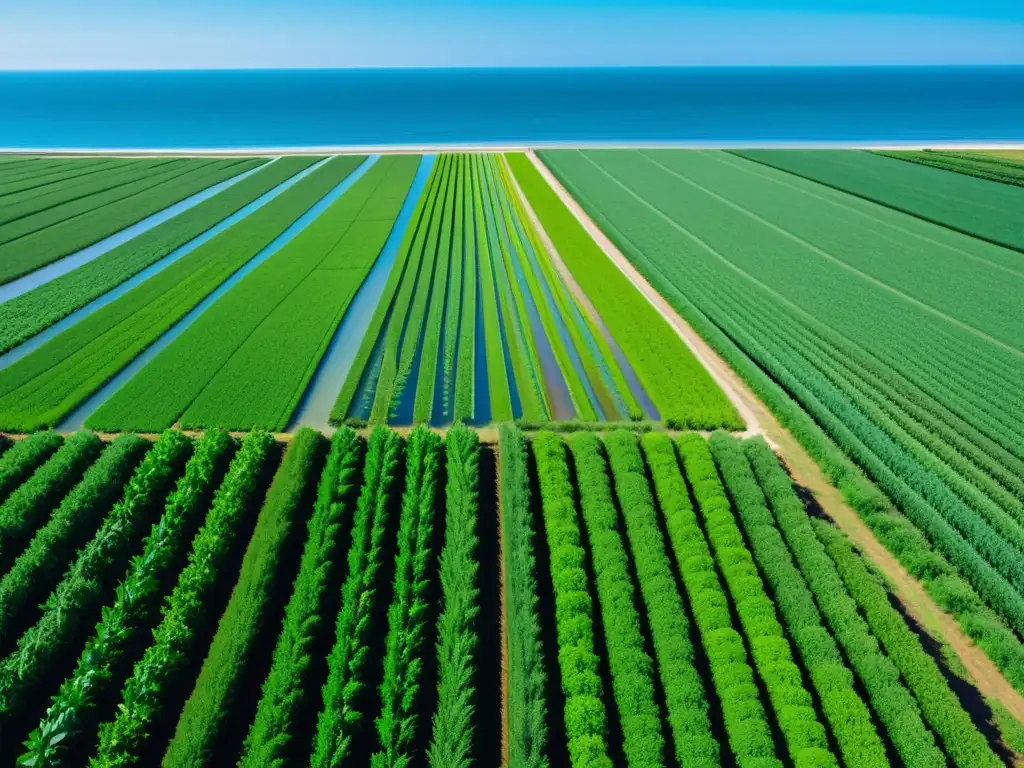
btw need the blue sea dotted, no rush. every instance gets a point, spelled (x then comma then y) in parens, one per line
(319, 108)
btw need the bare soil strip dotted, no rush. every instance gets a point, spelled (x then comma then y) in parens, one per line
(985, 676)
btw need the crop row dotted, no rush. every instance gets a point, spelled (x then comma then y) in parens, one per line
(55, 233)
(44, 386)
(17, 177)
(265, 336)
(24, 316)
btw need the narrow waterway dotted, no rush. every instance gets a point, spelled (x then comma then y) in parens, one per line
(315, 407)
(77, 418)
(30, 345)
(51, 271)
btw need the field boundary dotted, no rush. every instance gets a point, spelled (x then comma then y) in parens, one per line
(806, 473)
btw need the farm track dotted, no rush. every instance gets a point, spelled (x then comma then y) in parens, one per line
(807, 474)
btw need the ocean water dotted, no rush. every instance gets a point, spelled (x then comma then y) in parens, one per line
(317, 108)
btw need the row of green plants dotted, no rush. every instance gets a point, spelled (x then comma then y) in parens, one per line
(698, 289)
(350, 671)
(16, 177)
(235, 651)
(585, 715)
(845, 712)
(451, 744)
(1005, 170)
(44, 649)
(28, 507)
(461, 404)
(307, 285)
(455, 306)
(286, 698)
(22, 458)
(47, 384)
(53, 234)
(632, 669)
(746, 722)
(526, 718)
(74, 708)
(26, 315)
(793, 706)
(38, 569)
(686, 700)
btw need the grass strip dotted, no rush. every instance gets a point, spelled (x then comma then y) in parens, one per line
(49, 383)
(286, 698)
(24, 316)
(685, 698)
(527, 710)
(454, 310)
(586, 720)
(410, 612)
(349, 675)
(68, 611)
(73, 710)
(230, 657)
(28, 507)
(457, 637)
(39, 567)
(846, 713)
(632, 669)
(463, 403)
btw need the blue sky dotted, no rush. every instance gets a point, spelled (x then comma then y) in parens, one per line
(146, 34)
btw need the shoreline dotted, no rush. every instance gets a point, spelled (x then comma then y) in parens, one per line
(431, 148)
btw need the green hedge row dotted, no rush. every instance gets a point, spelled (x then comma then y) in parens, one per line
(135, 600)
(39, 567)
(846, 713)
(346, 689)
(586, 721)
(410, 610)
(746, 722)
(890, 700)
(794, 709)
(21, 460)
(685, 697)
(527, 712)
(285, 698)
(28, 507)
(451, 746)
(964, 743)
(74, 601)
(632, 669)
(227, 663)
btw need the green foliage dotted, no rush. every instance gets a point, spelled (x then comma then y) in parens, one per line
(746, 723)
(818, 356)
(457, 638)
(460, 313)
(74, 602)
(685, 698)
(135, 600)
(843, 708)
(892, 703)
(527, 714)
(286, 699)
(246, 361)
(19, 462)
(40, 566)
(410, 611)
(964, 743)
(48, 383)
(28, 507)
(462, 405)
(26, 315)
(683, 391)
(632, 670)
(794, 709)
(586, 721)
(347, 686)
(228, 660)
(984, 166)
(34, 241)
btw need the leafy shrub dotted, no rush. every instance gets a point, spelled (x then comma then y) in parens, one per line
(21, 460)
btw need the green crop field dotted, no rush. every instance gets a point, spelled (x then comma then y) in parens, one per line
(891, 348)
(381, 600)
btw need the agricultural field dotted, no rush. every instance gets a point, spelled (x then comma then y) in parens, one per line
(1004, 167)
(380, 599)
(890, 347)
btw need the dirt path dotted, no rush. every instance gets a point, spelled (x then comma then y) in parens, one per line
(984, 674)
